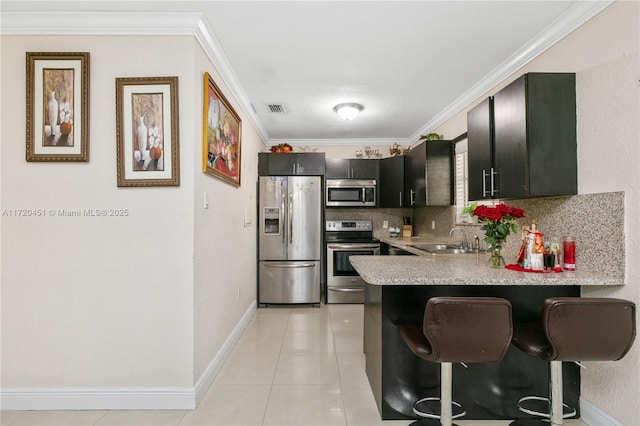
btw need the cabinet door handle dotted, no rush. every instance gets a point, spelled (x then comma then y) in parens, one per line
(484, 183)
(493, 187)
(411, 200)
(400, 198)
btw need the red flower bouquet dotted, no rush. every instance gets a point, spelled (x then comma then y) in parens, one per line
(498, 223)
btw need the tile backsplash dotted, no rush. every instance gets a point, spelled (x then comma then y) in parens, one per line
(377, 216)
(596, 221)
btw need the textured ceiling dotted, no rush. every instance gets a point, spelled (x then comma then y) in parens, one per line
(407, 62)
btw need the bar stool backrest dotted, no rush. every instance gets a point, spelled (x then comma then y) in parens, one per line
(468, 329)
(588, 329)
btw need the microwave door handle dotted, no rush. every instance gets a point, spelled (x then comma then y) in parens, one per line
(364, 195)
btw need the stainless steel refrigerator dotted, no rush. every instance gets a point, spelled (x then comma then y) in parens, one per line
(290, 239)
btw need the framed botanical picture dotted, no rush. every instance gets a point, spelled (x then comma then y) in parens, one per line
(221, 135)
(57, 106)
(147, 131)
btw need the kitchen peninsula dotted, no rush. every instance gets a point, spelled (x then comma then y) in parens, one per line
(396, 292)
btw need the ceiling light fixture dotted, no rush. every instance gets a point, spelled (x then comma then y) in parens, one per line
(348, 111)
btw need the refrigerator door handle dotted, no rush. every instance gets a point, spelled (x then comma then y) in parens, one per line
(282, 218)
(290, 265)
(290, 218)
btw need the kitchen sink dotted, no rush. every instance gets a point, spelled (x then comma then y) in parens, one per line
(442, 248)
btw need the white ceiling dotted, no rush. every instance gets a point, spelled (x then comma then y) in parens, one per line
(412, 64)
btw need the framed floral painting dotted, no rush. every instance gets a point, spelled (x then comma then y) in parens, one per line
(221, 136)
(147, 131)
(57, 106)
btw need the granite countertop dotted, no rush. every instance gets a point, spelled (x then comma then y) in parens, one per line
(458, 269)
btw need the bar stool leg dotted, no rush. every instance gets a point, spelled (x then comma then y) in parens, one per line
(555, 390)
(446, 379)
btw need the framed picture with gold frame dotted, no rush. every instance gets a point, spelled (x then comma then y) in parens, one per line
(221, 146)
(57, 102)
(147, 131)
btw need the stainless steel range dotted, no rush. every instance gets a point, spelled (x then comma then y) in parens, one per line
(346, 238)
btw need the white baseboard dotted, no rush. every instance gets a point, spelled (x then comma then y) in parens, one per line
(98, 398)
(124, 398)
(594, 416)
(216, 364)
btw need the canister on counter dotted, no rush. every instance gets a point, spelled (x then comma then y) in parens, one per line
(569, 254)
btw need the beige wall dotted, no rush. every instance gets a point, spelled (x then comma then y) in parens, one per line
(143, 302)
(95, 301)
(225, 257)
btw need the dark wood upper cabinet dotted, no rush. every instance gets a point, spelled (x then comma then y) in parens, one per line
(480, 148)
(429, 174)
(354, 168)
(289, 164)
(529, 130)
(391, 185)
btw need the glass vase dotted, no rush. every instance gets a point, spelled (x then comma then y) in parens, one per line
(495, 256)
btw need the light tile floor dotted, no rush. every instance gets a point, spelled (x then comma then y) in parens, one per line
(292, 366)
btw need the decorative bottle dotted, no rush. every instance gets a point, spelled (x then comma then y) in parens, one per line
(142, 134)
(53, 113)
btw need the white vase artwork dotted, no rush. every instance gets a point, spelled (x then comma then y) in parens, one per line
(141, 135)
(53, 113)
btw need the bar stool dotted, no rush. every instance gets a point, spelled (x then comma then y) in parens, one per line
(457, 329)
(573, 329)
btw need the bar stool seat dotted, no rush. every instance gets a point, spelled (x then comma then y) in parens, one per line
(457, 329)
(573, 329)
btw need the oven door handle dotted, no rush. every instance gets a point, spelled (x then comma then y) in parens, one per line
(347, 289)
(290, 265)
(353, 246)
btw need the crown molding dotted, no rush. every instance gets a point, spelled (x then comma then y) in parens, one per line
(579, 13)
(136, 23)
(346, 141)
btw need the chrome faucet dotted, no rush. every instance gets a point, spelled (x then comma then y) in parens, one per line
(465, 242)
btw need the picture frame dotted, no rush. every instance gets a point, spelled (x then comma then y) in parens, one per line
(147, 133)
(57, 106)
(222, 136)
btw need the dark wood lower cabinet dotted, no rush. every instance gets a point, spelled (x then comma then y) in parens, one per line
(487, 391)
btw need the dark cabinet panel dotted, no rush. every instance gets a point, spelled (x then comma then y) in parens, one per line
(337, 168)
(529, 127)
(429, 174)
(391, 185)
(510, 141)
(341, 168)
(417, 171)
(480, 140)
(285, 164)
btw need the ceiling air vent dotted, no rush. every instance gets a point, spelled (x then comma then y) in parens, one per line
(276, 109)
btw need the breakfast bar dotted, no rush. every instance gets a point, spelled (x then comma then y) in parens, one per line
(396, 292)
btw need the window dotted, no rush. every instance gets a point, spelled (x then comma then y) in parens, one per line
(461, 176)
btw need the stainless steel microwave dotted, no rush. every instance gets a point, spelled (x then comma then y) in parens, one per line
(350, 193)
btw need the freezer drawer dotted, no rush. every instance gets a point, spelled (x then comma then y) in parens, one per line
(289, 282)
